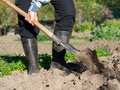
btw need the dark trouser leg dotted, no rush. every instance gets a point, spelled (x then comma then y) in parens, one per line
(31, 52)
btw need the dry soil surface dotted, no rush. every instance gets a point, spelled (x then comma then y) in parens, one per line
(56, 79)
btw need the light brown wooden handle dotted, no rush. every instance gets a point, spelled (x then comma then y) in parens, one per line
(40, 26)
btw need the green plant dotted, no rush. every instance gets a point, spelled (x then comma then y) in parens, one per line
(46, 12)
(11, 63)
(44, 60)
(7, 15)
(102, 52)
(90, 9)
(70, 56)
(84, 27)
(109, 30)
(43, 38)
(18, 63)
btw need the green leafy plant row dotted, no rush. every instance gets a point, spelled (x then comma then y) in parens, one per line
(109, 30)
(10, 63)
(84, 27)
(18, 63)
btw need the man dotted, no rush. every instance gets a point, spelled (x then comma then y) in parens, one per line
(64, 18)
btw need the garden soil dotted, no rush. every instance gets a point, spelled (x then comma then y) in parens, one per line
(56, 79)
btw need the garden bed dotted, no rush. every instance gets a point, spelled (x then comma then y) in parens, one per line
(59, 80)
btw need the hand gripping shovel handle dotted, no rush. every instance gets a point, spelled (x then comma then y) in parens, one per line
(68, 47)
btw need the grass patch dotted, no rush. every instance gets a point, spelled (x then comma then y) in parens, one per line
(43, 38)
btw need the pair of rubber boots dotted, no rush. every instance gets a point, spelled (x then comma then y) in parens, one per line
(58, 52)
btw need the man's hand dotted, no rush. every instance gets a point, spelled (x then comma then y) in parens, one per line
(31, 17)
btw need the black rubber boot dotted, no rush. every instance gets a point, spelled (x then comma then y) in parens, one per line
(58, 53)
(31, 52)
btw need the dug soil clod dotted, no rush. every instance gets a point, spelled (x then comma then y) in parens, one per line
(89, 58)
